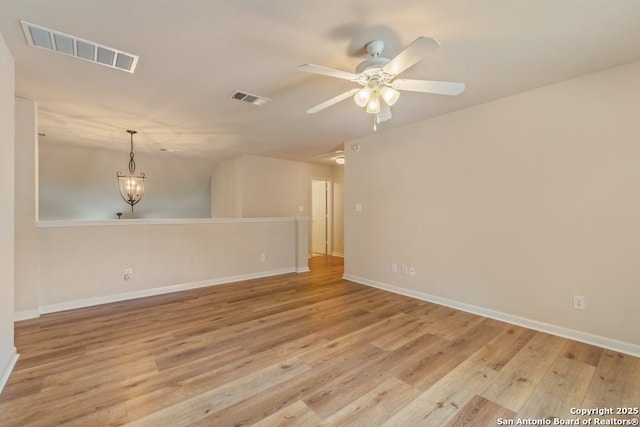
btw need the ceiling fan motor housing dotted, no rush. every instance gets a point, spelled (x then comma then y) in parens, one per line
(375, 62)
(371, 65)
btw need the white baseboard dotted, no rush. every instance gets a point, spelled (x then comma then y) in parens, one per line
(5, 375)
(302, 270)
(89, 302)
(604, 342)
(25, 314)
(338, 254)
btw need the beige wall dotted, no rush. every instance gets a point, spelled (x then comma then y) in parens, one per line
(80, 183)
(82, 264)
(7, 349)
(275, 187)
(222, 190)
(511, 207)
(254, 187)
(338, 211)
(26, 136)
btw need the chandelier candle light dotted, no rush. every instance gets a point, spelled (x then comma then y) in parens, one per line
(131, 186)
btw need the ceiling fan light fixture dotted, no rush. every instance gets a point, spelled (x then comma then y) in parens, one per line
(390, 95)
(373, 106)
(362, 97)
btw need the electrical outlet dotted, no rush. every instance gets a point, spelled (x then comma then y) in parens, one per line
(128, 272)
(394, 268)
(412, 271)
(579, 302)
(405, 270)
(263, 257)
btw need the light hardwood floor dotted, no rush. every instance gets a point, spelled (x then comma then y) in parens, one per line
(300, 349)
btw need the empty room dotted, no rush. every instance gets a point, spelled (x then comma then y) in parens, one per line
(312, 213)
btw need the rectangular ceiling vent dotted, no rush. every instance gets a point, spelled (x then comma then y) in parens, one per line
(66, 44)
(249, 98)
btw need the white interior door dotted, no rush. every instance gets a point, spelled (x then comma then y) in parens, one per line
(319, 207)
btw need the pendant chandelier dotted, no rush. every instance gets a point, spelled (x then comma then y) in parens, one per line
(131, 186)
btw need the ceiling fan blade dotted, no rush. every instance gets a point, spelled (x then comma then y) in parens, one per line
(414, 53)
(429, 86)
(330, 155)
(326, 71)
(332, 101)
(385, 112)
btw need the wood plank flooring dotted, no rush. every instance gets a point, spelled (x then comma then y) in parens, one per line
(301, 350)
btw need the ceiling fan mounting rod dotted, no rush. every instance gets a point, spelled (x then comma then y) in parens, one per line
(375, 47)
(374, 63)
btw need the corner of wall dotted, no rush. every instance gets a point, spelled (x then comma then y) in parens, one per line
(26, 206)
(4, 377)
(7, 221)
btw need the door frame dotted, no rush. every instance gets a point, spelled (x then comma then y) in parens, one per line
(329, 195)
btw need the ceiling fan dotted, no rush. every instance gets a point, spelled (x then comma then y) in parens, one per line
(377, 76)
(336, 155)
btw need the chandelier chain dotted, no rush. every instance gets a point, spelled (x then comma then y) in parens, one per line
(132, 163)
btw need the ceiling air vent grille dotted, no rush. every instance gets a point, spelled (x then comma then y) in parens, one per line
(249, 98)
(66, 44)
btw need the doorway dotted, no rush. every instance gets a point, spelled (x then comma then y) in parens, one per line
(320, 217)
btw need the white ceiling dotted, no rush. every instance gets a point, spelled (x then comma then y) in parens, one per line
(195, 53)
